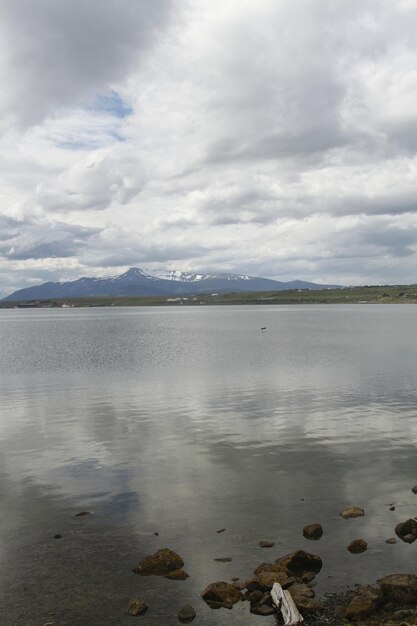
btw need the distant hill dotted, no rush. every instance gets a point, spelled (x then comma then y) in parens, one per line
(137, 282)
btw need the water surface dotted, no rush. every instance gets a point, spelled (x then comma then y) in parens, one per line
(183, 421)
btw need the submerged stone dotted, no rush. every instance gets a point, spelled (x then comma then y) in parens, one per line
(186, 614)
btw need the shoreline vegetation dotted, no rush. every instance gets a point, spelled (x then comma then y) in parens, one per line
(384, 294)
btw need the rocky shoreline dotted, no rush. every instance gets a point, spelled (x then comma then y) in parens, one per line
(391, 600)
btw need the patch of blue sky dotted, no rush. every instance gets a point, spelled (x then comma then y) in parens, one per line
(112, 104)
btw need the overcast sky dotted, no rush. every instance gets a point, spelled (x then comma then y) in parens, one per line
(273, 137)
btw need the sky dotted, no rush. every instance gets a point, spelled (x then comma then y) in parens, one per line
(276, 138)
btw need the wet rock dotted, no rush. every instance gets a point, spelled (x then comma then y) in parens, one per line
(352, 511)
(160, 563)
(223, 559)
(409, 527)
(137, 606)
(265, 580)
(255, 596)
(266, 599)
(308, 577)
(82, 514)
(221, 530)
(409, 538)
(365, 601)
(266, 544)
(186, 614)
(414, 489)
(400, 588)
(357, 546)
(235, 578)
(221, 594)
(301, 562)
(392, 508)
(391, 540)
(301, 589)
(177, 574)
(58, 536)
(313, 531)
(271, 567)
(263, 609)
(304, 599)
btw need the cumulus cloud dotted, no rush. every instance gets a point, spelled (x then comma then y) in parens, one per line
(273, 138)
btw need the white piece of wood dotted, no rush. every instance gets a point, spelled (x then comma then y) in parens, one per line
(284, 602)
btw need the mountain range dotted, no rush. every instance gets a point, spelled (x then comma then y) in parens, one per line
(138, 282)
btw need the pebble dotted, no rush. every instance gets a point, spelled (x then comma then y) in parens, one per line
(58, 536)
(223, 559)
(266, 544)
(82, 514)
(221, 530)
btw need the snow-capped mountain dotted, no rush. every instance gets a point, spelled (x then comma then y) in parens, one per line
(189, 277)
(137, 282)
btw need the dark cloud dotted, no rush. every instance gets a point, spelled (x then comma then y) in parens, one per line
(61, 52)
(45, 241)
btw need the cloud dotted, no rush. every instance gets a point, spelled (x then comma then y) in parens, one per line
(273, 138)
(57, 53)
(43, 240)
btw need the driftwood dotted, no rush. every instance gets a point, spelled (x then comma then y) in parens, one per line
(284, 602)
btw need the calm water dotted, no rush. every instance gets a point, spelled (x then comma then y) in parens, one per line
(185, 421)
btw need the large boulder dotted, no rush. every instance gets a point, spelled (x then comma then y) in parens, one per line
(407, 531)
(301, 562)
(160, 563)
(221, 594)
(364, 602)
(400, 588)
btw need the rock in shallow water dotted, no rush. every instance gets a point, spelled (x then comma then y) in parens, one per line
(161, 563)
(352, 511)
(301, 562)
(177, 574)
(221, 594)
(137, 606)
(407, 531)
(263, 609)
(313, 531)
(186, 614)
(357, 546)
